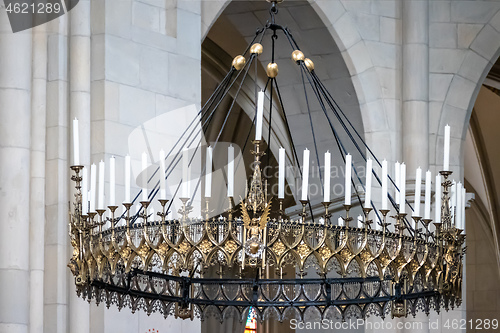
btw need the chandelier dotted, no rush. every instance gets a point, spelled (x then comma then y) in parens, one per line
(383, 263)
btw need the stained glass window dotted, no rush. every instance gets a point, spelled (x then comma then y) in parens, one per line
(251, 325)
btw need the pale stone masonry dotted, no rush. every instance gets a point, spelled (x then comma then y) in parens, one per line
(15, 148)
(79, 107)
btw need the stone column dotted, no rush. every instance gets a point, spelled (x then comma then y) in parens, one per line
(415, 100)
(37, 185)
(79, 105)
(57, 179)
(415, 85)
(15, 122)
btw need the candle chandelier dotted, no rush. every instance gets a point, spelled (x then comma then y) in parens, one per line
(384, 263)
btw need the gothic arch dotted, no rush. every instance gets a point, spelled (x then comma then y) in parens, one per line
(356, 55)
(484, 50)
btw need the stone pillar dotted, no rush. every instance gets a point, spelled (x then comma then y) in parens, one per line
(57, 179)
(79, 71)
(15, 122)
(415, 100)
(37, 185)
(79, 105)
(415, 85)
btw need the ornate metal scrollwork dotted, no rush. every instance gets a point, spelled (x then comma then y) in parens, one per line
(160, 264)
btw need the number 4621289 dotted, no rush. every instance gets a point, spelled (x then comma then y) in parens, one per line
(476, 324)
(33, 8)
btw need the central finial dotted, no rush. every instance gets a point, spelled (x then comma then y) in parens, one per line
(255, 197)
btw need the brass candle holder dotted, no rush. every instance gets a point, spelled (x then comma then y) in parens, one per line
(206, 211)
(347, 219)
(78, 195)
(385, 224)
(163, 214)
(446, 218)
(304, 212)
(113, 220)
(185, 209)
(256, 152)
(144, 214)
(416, 219)
(101, 222)
(231, 208)
(76, 177)
(327, 214)
(92, 223)
(281, 212)
(127, 217)
(439, 227)
(367, 222)
(400, 226)
(425, 223)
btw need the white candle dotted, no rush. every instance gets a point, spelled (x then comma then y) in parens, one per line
(100, 203)
(458, 219)
(208, 172)
(453, 200)
(112, 181)
(326, 194)
(418, 192)
(360, 221)
(446, 157)
(85, 200)
(185, 173)
(402, 189)
(464, 193)
(437, 208)
(76, 143)
(151, 214)
(384, 184)
(93, 186)
(348, 166)
(397, 180)
(144, 176)
(281, 174)
(163, 185)
(340, 222)
(368, 176)
(427, 205)
(453, 193)
(230, 171)
(260, 115)
(127, 179)
(305, 174)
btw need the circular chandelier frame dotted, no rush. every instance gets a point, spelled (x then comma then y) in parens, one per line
(162, 265)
